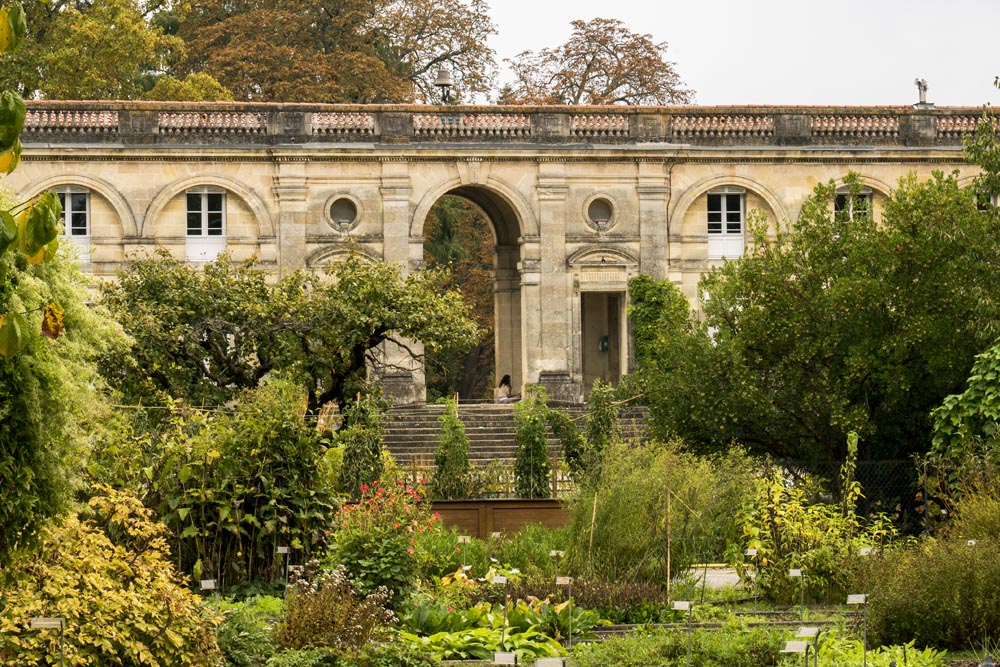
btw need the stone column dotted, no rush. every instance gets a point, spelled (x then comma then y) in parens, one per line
(290, 192)
(403, 380)
(654, 231)
(548, 306)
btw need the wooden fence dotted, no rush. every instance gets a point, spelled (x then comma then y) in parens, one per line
(482, 518)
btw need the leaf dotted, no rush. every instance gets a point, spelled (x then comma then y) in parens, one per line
(12, 112)
(52, 321)
(12, 333)
(40, 226)
(12, 28)
(8, 231)
(190, 531)
(10, 159)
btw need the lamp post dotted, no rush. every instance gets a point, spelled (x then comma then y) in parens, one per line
(444, 84)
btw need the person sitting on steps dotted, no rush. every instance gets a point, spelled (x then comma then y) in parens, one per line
(504, 389)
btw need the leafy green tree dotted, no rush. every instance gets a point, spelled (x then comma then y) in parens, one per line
(361, 438)
(48, 403)
(603, 427)
(836, 325)
(195, 87)
(204, 335)
(77, 49)
(451, 461)
(532, 466)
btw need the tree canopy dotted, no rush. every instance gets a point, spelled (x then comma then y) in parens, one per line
(837, 325)
(603, 62)
(48, 342)
(360, 51)
(77, 49)
(202, 335)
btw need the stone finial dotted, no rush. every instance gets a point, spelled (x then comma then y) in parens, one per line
(922, 88)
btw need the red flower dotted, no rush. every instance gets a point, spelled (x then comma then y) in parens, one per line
(364, 488)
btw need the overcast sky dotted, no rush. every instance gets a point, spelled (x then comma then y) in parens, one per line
(844, 52)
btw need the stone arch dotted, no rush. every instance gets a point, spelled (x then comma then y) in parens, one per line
(498, 200)
(876, 184)
(699, 188)
(511, 219)
(334, 254)
(126, 216)
(265, 224)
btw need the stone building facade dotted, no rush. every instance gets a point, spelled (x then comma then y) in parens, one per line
(580, 198)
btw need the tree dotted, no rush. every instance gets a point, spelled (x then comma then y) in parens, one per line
(202, 335)
(48, 403)
(425, 35)
(838, 325)
(195, 87)
(87, 50)
(603, 62)
(532, 466)
(451, 461)
(361, 438)
(359, 51)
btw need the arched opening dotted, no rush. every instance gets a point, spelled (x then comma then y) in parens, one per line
(475, 232)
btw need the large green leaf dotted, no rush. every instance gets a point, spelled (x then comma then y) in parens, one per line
(8, 231)
(12, 28)
(12, 112)
(13, 333)
(41, 226)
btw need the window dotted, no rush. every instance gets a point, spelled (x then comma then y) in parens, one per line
(206, 224)
(725, 222)
(75, 203)
(852, 205)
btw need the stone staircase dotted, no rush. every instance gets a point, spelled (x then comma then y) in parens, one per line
(412, 432)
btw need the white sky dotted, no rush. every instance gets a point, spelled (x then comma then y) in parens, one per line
(792, 52)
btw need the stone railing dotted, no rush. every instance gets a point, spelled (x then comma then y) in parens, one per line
(336, 123)
(460, 125)
(854, 126)
(75, 121)
(600, 125)
(274, 124)
(203, 122)
(728, 126)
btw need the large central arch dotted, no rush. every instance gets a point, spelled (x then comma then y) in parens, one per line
(507, 224)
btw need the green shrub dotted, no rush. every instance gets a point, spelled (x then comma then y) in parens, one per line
(245, 633)
(528, 550)
(942, 593)
(451, 461)
(619, 529)
(736, 647)
(324, 610)
(109, 574)
(977, 513)
(374, 538)
(481, 643)
(837, 651)
(361, 439)
(603, 427)
(233, 486)
(789, 529)
(395, 654)
(532, 466)
(305, 657)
